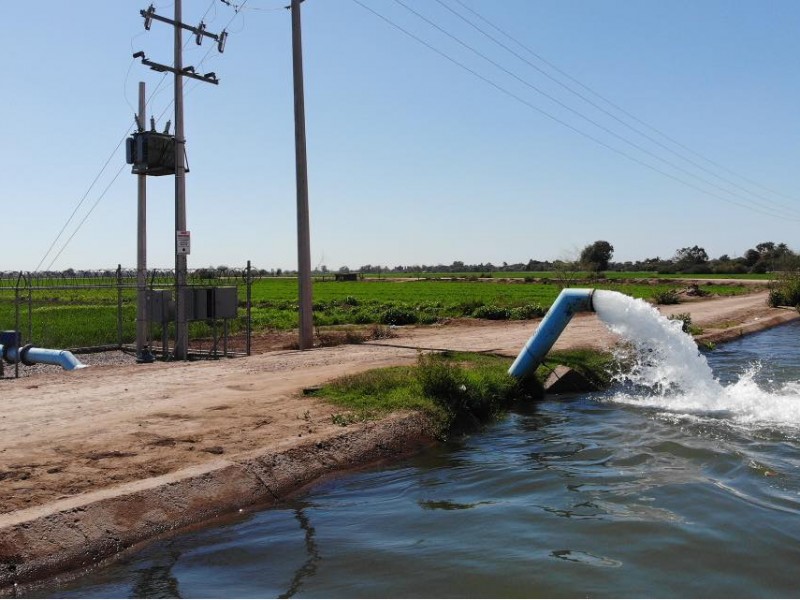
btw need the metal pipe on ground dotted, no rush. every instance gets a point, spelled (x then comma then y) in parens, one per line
(29, 355)
(569, 302)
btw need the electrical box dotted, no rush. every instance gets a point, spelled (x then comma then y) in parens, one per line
(203, 303)
(160, 306)
(226, 302)
(151, 153)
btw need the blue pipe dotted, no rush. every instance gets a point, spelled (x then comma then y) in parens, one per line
(28, 355)
(569, 302)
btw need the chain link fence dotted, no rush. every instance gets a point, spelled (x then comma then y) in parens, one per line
(89, 311)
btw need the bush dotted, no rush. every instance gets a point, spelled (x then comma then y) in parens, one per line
(785, 291)
(399, 315)
(666, 297)
(494, 313)
(467, 307)
(351, 301)
(529, 311)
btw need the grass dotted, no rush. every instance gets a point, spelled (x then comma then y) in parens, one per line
(68, 318)
(456, 390)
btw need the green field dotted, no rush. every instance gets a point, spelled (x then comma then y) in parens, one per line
(70, 318)
(429, 300)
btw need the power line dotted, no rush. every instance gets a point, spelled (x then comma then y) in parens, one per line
(82, 200)
(792, 213)
(88, 191)
(99, 198)
(561, 121)
(615, 106)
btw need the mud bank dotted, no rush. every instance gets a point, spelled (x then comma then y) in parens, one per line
(79, 532)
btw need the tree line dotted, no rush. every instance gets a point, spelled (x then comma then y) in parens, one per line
(596, 257)
(766, 257)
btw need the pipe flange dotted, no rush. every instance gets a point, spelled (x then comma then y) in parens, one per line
(23, 355)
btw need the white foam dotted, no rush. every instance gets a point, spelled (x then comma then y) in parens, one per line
(668, 372)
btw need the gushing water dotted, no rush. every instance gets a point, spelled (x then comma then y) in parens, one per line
(668, 372)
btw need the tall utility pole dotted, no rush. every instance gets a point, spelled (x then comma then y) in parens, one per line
(181, 266)
(181, 233)
(303, 236)
(143, 354)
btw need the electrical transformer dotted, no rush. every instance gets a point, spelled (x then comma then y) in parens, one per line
(151, 153)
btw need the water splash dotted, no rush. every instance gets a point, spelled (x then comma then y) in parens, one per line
(668, 372)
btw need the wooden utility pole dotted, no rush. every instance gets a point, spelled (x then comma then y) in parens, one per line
(303, 236)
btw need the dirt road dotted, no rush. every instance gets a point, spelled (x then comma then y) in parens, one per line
(68, 440)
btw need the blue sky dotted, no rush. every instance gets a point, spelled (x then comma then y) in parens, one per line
(412, 158)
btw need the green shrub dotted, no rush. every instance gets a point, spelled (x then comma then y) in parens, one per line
(351, 301)
(528, 311)
(467, 307)
(399, 315)
(785, 291)
(495, 313)
(666, 297)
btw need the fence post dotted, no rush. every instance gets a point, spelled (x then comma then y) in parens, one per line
(16, 321)
(249, 324)
(29, 281)
(119, 306)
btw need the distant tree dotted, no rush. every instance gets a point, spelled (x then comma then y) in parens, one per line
(751, 257)
(457, 266)
(766, 248)
(596, 256)
(769, 256)
(689, 257)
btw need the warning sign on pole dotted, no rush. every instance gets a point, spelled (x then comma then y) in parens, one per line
(184, 245)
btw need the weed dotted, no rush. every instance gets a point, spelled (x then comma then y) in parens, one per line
(345, 419)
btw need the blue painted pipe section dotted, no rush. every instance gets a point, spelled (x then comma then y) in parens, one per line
(569, 302)
(29, 355)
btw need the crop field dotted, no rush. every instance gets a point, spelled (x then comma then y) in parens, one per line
(64, 317)
(401, 302)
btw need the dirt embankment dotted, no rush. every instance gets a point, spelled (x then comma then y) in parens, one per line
(92, 461)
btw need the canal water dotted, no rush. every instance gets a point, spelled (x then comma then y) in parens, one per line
(681, 481)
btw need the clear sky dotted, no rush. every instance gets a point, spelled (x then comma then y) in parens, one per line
(413, 157)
